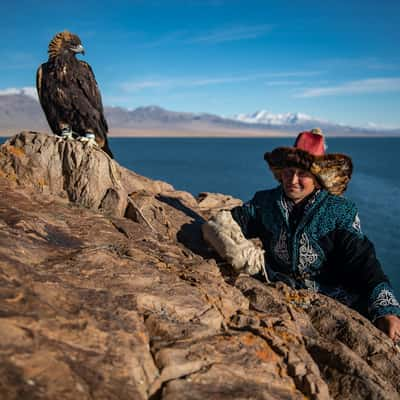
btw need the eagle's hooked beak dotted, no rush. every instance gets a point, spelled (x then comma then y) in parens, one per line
(78, 49)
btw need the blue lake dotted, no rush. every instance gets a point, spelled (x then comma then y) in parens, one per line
(237, 167)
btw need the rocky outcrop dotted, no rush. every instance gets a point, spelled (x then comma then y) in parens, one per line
(77, 171)
(108, 292)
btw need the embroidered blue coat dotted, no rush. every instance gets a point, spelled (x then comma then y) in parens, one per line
(325, 250)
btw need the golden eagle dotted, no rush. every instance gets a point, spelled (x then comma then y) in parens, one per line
(69, 94)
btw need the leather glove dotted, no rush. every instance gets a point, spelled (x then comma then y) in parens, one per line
(223, 233)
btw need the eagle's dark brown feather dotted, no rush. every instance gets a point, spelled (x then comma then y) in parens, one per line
(68, 91)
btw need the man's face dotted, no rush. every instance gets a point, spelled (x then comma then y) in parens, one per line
(297, 183)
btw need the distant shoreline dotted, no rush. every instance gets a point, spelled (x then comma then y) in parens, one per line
(232, 133)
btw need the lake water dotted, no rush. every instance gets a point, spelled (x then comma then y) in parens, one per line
(237, 167)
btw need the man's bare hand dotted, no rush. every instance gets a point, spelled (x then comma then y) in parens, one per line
(390, 324)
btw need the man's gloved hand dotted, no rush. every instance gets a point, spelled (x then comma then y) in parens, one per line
(224, 234)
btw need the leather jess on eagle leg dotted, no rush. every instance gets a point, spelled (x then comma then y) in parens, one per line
(224, 234)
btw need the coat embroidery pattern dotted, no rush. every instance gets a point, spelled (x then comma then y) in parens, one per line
(281, 249)
(385, 298)
(286, 207)
(307, 255)
(357, 223)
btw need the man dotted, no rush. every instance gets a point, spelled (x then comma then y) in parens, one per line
(311, 235)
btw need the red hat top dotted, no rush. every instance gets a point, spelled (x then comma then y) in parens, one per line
(312, 142)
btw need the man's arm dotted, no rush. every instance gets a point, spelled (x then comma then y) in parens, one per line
(362, 270)
(246, 217)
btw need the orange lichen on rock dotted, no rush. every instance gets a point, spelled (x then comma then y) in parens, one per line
(41, 183)
(299, 299)
(249, 339)
(10, 177)
(266, 354)
(262, 350)
(17, 151)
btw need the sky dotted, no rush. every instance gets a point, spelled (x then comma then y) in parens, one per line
(334, 60)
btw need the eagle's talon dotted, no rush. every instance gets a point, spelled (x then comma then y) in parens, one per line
(66, 133)
(89, 138)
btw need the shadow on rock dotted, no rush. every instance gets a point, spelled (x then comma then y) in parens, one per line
(190, 233)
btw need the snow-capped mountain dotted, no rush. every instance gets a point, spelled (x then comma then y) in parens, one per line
(295, 122)
(268, 118)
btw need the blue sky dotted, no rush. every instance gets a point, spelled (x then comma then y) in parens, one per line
(334, 60)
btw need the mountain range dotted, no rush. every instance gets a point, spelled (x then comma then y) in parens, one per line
(23, 112)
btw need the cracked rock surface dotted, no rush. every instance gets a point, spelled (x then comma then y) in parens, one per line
(108, 292)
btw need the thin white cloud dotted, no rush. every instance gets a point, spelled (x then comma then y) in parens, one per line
(376, 85)
(284, 83)
(134, 86)
(366, 63)
(18, 61)
(27, 90)
(147, 84)
(231, 34)
(217, 81)
(176, 83)
(177, 36)
(292, 74)
(213, 36)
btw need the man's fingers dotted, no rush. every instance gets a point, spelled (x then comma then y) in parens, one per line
(393, 333)
(390, 324)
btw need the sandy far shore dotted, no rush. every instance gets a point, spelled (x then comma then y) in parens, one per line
(159, 133)
(231, 133)
(221, 133)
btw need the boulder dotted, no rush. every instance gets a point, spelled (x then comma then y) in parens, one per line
(77, 171)
(211, 203)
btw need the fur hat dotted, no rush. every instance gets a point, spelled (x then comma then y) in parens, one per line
(332, 171)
